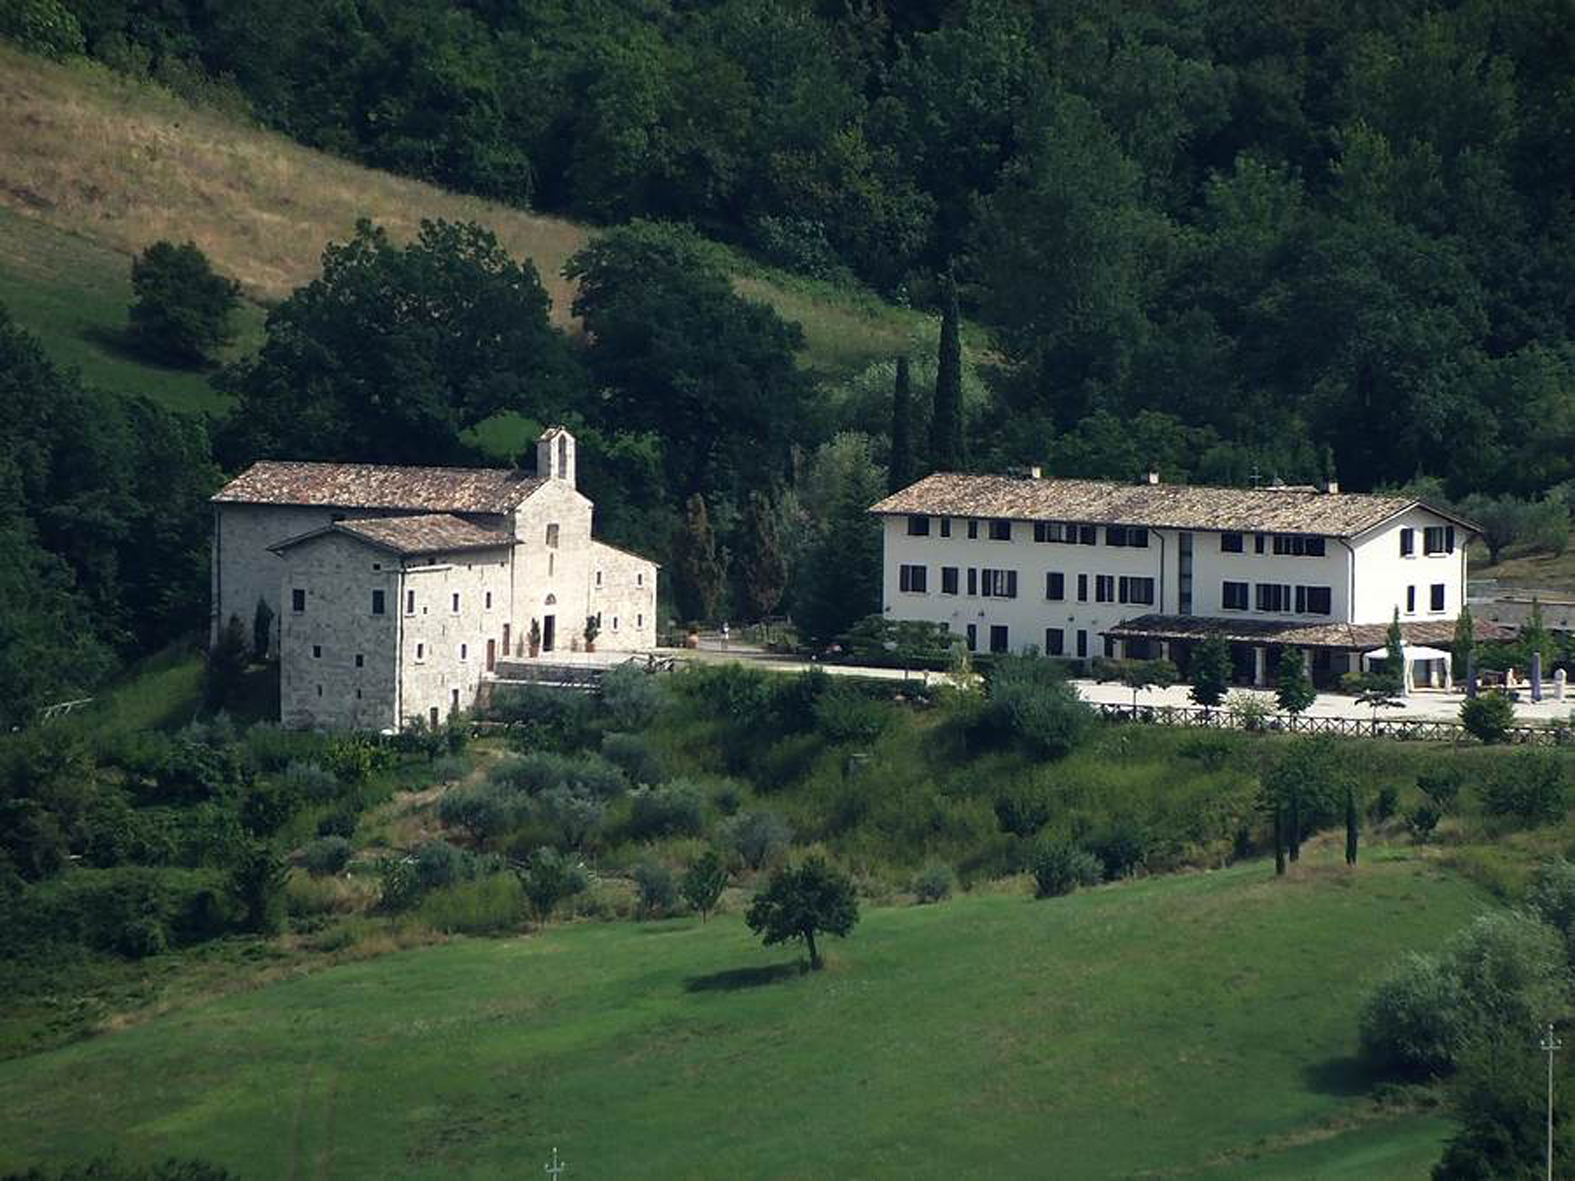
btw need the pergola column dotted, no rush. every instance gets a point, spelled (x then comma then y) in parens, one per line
(1260, 665)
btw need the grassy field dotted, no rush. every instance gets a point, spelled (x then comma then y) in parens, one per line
(1536, 571)
(94, 167)
(1187, 1025)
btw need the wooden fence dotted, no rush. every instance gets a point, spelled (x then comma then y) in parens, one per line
(1401, 729)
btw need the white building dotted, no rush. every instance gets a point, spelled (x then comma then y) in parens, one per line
(396, 591)
(1083, 568)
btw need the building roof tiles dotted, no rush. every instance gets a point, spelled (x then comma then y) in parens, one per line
(1362, 637)
(378, 486)
(1299, 509)
(427, 533)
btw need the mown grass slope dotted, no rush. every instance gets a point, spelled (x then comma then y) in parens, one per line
(1181, 1025)
(94, 167)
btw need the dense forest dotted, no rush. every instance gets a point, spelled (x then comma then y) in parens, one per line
(1230, 240)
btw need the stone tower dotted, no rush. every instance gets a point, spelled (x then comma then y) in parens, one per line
(555, 455)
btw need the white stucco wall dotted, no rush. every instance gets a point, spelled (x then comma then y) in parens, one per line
(1382, 575)
(1212, 568)
(327, 689)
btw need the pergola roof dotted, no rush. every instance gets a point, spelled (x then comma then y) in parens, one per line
(1354, 637)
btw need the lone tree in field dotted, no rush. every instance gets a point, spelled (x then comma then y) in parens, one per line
(1210, 670)
(698, 570)
(550, 878)
(1295, 690)
(901, 465)
(183, 307)
(800, 903)
(704, 882)
(946, 426)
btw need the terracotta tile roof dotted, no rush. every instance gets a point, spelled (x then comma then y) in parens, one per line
(366, 485)
(1364, 637)
(1298, 509)
(428, 533)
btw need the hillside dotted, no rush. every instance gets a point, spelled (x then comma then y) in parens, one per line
(1190, 1024)
(96, 166)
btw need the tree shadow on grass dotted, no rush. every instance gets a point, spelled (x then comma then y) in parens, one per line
(1345, 1077)
(118, 343)
(736, 978)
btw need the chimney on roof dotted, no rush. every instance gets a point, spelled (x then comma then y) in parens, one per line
(1036, 472)
(1153, 475)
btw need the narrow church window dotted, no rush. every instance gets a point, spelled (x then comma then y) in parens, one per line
(317, 651)
(360, 660)
(410, 602)
(639, 579)
(421, 651)
(598, 578)
(552, 537)
(456, 603)
(487, 601)
(464, 652)
(298, 600)
(551, 558)
(378, 602)
(319, 690)
(639, 621)
(615, 623)
(358, 695)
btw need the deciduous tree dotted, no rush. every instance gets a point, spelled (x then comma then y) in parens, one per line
(1210, 670)
(802, 903)
(1295, 691)
(183, 309)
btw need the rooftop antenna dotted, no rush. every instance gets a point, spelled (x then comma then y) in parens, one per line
(1255, 476)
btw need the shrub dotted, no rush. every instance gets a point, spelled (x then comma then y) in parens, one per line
(489, 903)
(1422, 820)
(633, 755)
(353, 758)
(843, 714)
(398, 886)
(438, 864)
(933, 884)
(541, 771)
(572, 817)
(1060, 867)
(631, 697)
(257, 884)
(1022, 812)
(327, 855)
(674, 810)
(113, 1169)
(1441, 785)
(310, 782)
(46, 27)
(1031, 703)
(449, 769)
(1121, 846)
(1386, 803)
(484, 810)
(657, 886)
(1488, 716)
(1410, 1022)
(729, 798)
(1248, 710)
(1551, 897)
(550, 878)
(704, 882)
(1527, 787)
(183, 307)
(268, 806)
(758, 838)
(545, 718)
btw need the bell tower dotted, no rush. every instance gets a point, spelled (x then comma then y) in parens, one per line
(555, 455)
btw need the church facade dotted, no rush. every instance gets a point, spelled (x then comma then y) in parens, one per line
(395, 591)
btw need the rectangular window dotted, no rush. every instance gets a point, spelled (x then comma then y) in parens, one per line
(1233, 596)
(410, 602)
(317, 651)
(1407, 542)
(1082, 643)
(973, 580)
(360, 660)
(639, 579)
(918, 526)
(1230, 543)
(421, 651)
(973, 528)
(1410, 600)
(998, 584)
(379, 603)
(1298, 545)
(1115, 535)
(948, 580)
(946, 526)
(552, 537)
(1320, 600)
(1082, 588)
(973, 637)
(1055, 585)
(298, 600)
(486, 601)
(1104, 588)
(598, 578)
(1435, 598)
(1000, 530)
(454, 606)
(1257, 542)
(464, 651)
(1436, 539)
(1088, 534)
(1136, 590)
(639, 619)
(998, 637)
(1273, 597)
(913, 579)
(1127, 535)
(1055, 641)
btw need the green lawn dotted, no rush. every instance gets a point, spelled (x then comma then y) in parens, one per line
(1193, 1024)
(73, 294)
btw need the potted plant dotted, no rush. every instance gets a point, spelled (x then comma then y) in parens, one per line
(534, 638)
(593, 629)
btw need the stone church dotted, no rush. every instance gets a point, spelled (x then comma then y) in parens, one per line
(395, 591)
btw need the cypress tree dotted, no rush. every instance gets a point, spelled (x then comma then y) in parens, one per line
(1350, 825)
(698, 584)
(1534, 637)
(946, 426)
(1295, 690)
(1465, 643)
(902, 466)
(762, 568)
(1395, 659)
